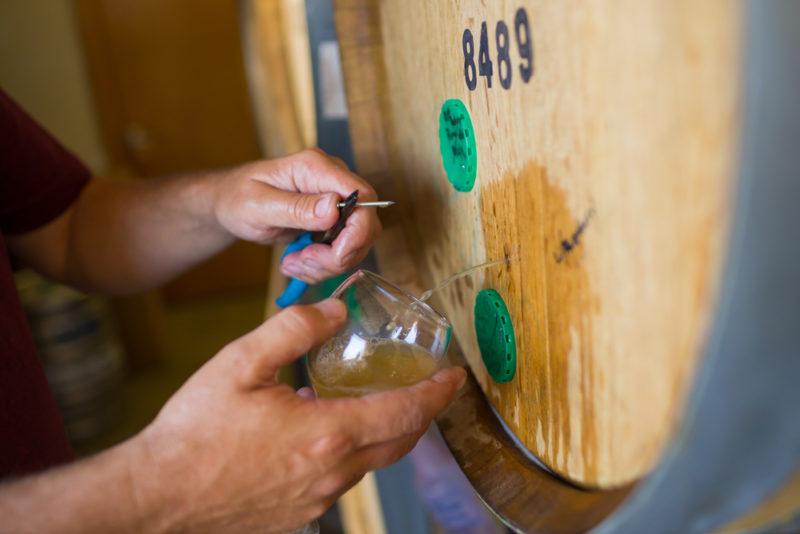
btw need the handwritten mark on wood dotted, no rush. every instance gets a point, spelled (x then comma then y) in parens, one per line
(568, 245)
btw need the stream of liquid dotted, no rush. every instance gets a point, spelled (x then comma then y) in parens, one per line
(449, 280)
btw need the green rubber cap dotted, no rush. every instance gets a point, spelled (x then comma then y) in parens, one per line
(457, 145)
(495, 333)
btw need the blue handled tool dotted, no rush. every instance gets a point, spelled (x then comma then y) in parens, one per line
(295, 289)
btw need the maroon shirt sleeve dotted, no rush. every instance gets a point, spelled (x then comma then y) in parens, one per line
(39, 178)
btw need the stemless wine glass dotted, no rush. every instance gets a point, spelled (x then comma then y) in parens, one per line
(391, 339)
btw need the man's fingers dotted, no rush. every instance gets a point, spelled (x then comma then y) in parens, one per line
(303, 195)
(284, 337)
(339, 162)
(318, 262)
(314, 171)
(389, 415)
(337, 484)
(374, 457)
(307, 264)
(303, 211)
(306, 393)
(362, 229)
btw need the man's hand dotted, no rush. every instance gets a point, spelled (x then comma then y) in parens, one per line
(269, 201)
(234, 451)
(123, 237)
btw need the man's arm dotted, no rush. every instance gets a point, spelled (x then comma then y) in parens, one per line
(93, 495)
(232, 451)
(123, 237)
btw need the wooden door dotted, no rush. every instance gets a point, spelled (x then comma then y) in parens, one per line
(169, 83)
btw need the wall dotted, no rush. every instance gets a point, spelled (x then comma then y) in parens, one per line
(43, 68)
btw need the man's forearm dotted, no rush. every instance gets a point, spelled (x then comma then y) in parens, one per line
(93, 495)
(122, 237)
(126, 237)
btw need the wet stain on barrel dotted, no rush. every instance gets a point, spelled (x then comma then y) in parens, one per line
(551, 304)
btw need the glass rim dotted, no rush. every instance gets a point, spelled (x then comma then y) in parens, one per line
(364, 272)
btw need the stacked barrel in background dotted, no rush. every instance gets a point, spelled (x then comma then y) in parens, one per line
(80, 353)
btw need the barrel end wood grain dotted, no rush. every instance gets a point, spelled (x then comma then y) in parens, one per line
(603, 178)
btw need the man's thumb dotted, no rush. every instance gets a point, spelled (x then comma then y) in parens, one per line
(288, 209)
(285, 337)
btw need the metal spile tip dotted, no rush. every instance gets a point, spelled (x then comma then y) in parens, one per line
(375, 204)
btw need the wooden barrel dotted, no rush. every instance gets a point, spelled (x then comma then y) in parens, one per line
(80, 353)
(594, 149)
(278, 68)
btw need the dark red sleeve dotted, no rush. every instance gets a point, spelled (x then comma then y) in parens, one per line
(39, 178)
